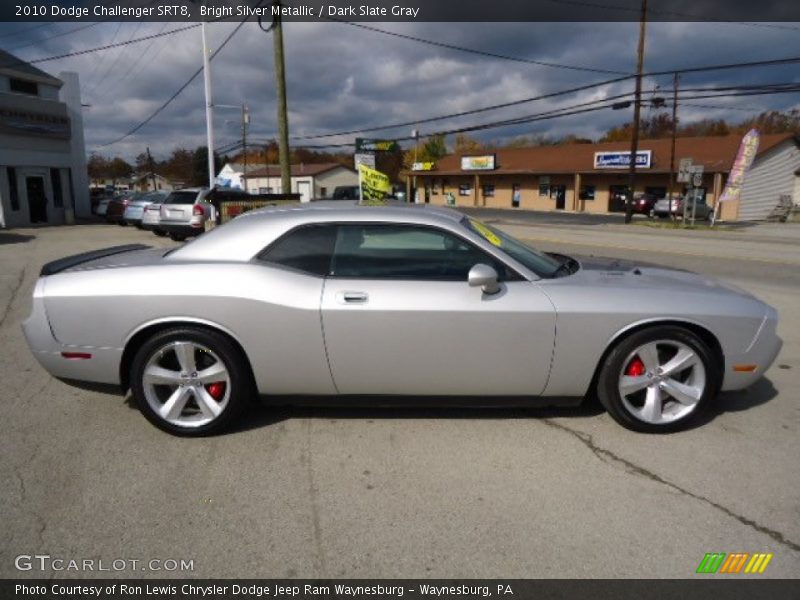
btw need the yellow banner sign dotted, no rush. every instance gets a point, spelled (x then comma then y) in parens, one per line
(374, 184)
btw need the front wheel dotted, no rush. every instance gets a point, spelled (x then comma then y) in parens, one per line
(190, 381)
(658, 379)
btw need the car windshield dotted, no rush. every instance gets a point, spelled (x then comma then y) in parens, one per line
(538, 262)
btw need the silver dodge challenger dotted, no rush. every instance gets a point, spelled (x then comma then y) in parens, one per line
(388, 304)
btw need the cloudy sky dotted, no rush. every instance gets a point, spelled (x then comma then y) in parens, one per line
(343, 77)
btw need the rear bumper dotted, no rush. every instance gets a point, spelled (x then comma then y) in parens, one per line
(182, 228)
(102, 367)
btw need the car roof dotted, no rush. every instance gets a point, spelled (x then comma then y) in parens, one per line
(246, 235)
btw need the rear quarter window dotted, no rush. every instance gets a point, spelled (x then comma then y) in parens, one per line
(308, 249)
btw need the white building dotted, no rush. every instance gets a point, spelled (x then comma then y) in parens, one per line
(773, 178)
(146, 182)
(43, 177)
(231, 174)
(310, 181)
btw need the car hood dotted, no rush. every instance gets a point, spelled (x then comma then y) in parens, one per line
(642, 274)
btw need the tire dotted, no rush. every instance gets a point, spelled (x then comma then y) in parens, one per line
(159, 233)
(177, 237)
(690, 370)
(202, 404)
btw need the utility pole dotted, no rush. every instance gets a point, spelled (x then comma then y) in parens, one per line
(245, 123)
(637, 101)
(209, 109)
(675, 80)
(280, 86)
(152, 170)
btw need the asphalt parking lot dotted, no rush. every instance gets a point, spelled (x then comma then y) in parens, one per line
(301, 492)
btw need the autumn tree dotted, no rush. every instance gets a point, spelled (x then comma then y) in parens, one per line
(432, 150)
(467, 145)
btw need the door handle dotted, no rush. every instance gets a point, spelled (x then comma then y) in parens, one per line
(353, 297)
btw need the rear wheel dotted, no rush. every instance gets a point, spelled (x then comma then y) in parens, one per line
(190, 381)
(658, 379)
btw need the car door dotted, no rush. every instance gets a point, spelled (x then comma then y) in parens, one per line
(399, 317)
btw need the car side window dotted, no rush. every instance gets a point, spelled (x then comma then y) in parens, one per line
(307, 249)
(389, 251)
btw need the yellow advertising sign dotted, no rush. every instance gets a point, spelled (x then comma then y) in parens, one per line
(374, 184)
(486, 232)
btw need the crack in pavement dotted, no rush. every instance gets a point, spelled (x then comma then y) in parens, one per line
(25, 502)
(314, 492)
(607, 455)
(13, 297)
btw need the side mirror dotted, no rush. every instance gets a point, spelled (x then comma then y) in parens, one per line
(485, 277)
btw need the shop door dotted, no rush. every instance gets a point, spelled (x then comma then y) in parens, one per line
(560, 194)
(37, 199)
(304, 189)
(617, 197)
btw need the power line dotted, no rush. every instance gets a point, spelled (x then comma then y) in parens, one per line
(113, 64)
(17, 32)
(466, 112)
(772, 62)
(477, 52)
(132, 71)
(673, 13)
(178, 91)
(563, 112)
(99, 48)
(57, 35)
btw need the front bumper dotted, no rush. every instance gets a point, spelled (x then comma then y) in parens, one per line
(762, 352)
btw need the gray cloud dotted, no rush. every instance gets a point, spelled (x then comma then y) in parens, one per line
(342, 77)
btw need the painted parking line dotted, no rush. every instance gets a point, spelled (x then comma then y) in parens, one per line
(661, 250)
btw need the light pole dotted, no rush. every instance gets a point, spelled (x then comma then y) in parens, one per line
(209, 109)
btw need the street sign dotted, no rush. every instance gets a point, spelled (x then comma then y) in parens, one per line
(684, 167)
(697, 179)
(370, 145)
(364, 158)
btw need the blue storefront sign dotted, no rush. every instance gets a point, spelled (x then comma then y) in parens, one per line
(622, 159)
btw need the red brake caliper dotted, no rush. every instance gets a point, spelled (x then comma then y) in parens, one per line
(216, 390)
(635, 368)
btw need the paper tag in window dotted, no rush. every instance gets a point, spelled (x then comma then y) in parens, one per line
(487, 233)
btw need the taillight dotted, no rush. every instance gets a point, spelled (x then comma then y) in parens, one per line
(198, 211)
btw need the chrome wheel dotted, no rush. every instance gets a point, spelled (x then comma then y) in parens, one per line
(662, 381)
(186, 384)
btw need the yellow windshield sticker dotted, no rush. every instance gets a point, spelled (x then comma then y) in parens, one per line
(487, 233)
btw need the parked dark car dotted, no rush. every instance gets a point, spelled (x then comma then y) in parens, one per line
(115, 213)
(643, 204)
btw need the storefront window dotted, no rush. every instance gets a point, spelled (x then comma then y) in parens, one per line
(488, 190)
(58, 194)
(12, 188)
(464, 189)
(516, 192)
(587, 192)
(435, 187)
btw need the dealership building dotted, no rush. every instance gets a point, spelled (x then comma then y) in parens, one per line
(594, 178)
(43, 177)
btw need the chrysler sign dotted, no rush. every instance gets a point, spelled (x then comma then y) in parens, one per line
(622, 159)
